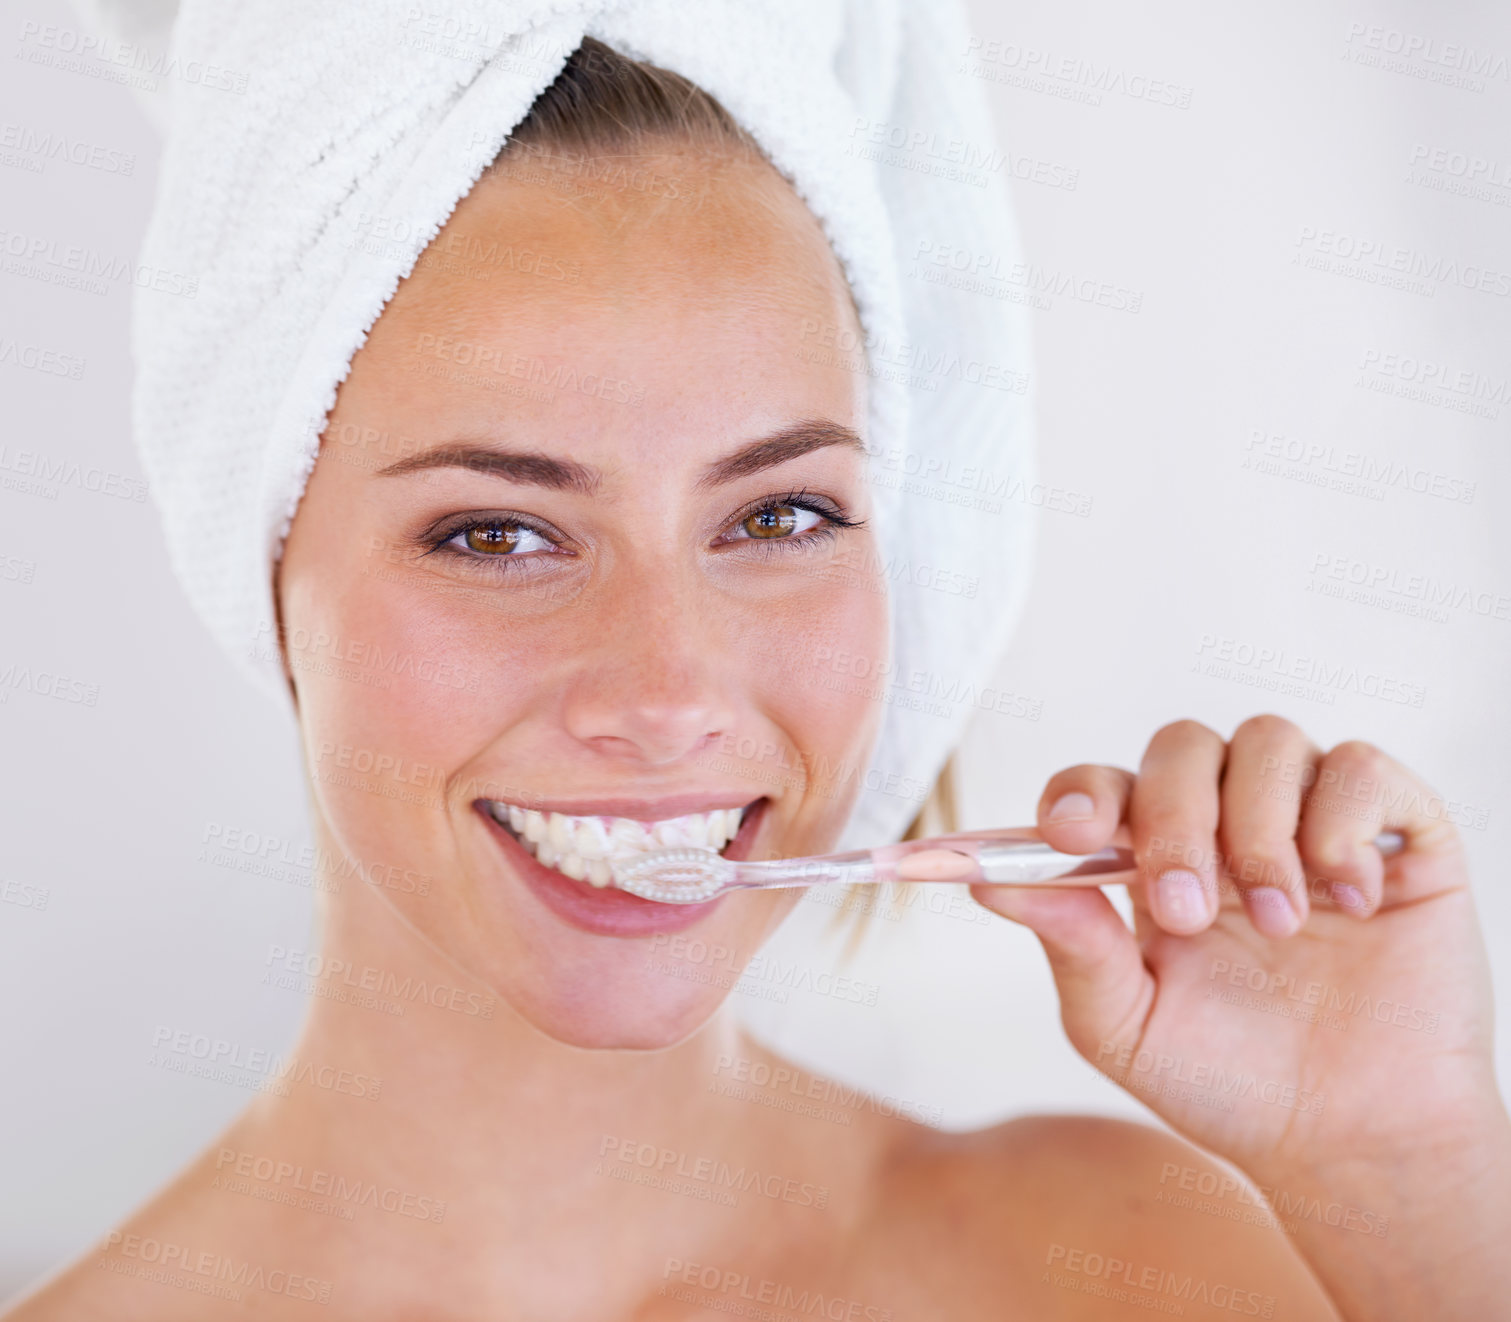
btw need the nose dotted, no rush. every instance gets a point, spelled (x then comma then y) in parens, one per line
(654, 683)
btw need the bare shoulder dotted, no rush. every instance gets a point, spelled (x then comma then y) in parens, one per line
(183, 1255)
(97, 1284)
(136, 1273)
(1087, 1216)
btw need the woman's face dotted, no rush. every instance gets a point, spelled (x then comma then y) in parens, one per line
(576, 542)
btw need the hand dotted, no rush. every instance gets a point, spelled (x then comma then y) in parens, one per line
(1287, 998)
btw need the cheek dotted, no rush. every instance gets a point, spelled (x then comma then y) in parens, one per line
(822, 671)
(391, 690)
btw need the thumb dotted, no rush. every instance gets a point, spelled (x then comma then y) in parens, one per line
(1105, 991)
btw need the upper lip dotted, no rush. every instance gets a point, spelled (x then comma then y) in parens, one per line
(638, 809)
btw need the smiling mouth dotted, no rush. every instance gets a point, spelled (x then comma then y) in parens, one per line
(585, 848)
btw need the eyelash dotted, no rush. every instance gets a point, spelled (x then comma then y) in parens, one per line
(834, 520)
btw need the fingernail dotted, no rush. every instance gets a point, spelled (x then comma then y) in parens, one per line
(1270, 911)
(1178, 898)
(1350, 897)
(1074, 807)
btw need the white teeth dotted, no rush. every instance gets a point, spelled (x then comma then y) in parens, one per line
(589, 838)
(627, 836)
(673, 835)
(584, 847)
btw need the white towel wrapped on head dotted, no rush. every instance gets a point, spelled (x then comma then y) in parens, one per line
(393, 108)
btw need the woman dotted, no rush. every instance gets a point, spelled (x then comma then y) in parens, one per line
(598, 599)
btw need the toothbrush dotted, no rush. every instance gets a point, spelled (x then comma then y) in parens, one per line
(1010, 856)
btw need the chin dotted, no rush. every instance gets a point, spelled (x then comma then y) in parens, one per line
(635, 1013)
(595, 967)
(641, 993)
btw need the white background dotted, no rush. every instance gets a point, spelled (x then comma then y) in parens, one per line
(1200, 210)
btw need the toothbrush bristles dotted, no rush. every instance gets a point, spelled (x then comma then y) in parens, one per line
(672, 876)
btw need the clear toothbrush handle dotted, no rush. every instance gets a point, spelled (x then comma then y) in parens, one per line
(1012, 856)
(1029, 863)
(1006, 856)
(1023, 864)
(1015, 856)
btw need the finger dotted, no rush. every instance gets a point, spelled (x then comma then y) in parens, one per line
(1360, 791)
(1260, 811)
(1173, 814)
(1105, 990)
(1082, 806)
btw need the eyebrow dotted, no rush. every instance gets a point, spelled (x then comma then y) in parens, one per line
(531, 468)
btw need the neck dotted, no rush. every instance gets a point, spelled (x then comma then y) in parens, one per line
(546, 1156)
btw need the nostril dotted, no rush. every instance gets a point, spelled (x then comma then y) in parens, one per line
(653, 741)
(656, 718)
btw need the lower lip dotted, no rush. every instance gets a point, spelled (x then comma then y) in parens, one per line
(609, 911)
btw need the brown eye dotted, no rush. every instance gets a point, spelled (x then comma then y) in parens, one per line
(773, 521)
(493, 538)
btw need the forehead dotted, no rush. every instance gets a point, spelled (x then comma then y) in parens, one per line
(614, 298)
